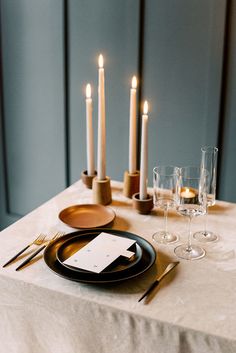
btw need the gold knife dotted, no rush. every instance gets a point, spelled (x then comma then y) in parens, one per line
(169, 268)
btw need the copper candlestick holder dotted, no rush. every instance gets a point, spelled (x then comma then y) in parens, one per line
(131, 183)
(143, 206)
(102, 191)
(88, 179)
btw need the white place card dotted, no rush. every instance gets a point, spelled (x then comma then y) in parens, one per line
(100, 252)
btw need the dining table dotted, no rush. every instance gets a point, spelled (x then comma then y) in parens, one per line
(193, 310)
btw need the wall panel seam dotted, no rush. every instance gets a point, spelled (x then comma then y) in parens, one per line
(223, 92)
(140, 72)
(66, 90)
(3, 130)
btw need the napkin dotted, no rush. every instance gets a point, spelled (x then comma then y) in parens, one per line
(101, 252)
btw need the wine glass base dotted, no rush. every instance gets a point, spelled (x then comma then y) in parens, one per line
(205, 236)
(163, 237)
(194, 253)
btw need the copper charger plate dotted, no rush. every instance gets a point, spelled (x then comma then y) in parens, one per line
(87, 216)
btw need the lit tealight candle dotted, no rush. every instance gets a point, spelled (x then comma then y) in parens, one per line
(144, 154)
(132, 128)
(187, 193)
(89, 131)
(101, 164)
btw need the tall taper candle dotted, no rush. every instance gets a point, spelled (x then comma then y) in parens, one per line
(89, 131)
(132, 128)
(144, 154)
(101, 167)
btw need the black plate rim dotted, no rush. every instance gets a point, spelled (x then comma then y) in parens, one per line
(63, 271)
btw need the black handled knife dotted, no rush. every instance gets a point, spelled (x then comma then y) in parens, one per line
(169, 268)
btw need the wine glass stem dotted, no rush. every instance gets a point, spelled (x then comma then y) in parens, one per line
(189, 246)
(166, 220)
(205, 223)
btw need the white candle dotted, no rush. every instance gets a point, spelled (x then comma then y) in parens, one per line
(144, 154)
(101, 167)
(89, 131)
(132, 128)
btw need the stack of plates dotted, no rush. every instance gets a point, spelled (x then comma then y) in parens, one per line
(122, 269)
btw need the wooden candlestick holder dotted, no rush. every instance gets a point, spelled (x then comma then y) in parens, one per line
(143, 206)
(102, 191)
(88, 179)
(131, 184)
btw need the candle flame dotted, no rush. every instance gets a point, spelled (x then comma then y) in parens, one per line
(88, 91)
(145, 108)
(100, 61)
(134, 82)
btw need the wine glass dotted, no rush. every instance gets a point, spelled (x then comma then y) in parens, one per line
(165, 182)
(191, 202)
(209, 163)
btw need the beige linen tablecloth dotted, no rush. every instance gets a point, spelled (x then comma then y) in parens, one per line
(193, 310)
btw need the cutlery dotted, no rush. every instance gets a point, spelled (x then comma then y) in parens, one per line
(170, 267)
(38, 241)
(49, 241)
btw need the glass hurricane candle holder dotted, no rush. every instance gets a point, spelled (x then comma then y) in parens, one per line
(191, 202)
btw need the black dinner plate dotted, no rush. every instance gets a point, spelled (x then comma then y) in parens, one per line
(147, 259)
(74, 244)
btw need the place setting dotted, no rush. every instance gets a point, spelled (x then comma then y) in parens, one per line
(100, 256)
(97, 254)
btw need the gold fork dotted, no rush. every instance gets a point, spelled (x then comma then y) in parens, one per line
(49, 241)
(38, 241)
